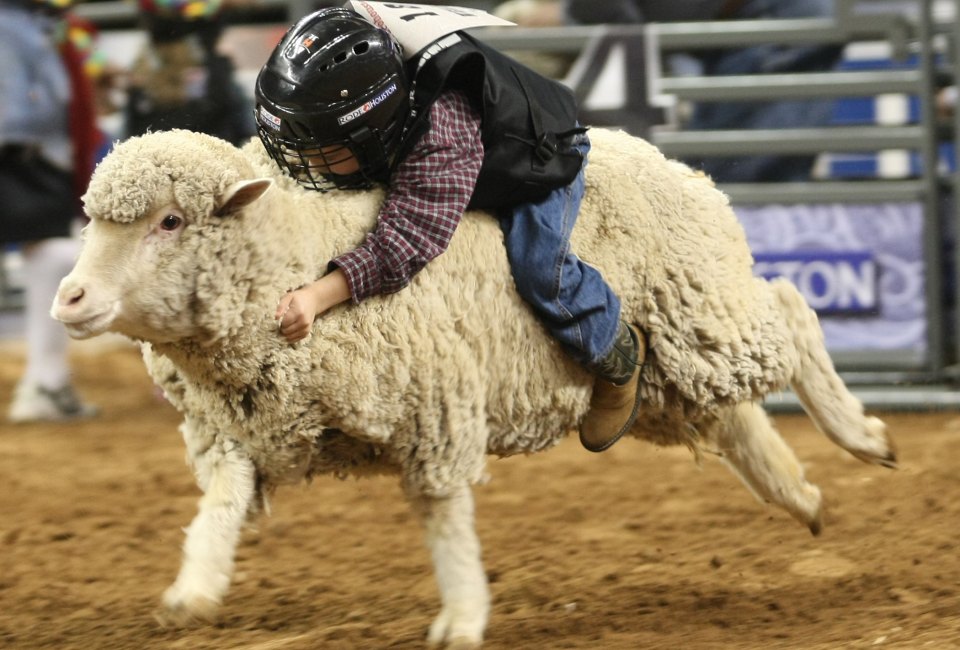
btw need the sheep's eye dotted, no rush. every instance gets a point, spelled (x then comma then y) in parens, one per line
(171, 222)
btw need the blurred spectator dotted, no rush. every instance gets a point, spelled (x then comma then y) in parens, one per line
(552, 13)
(758, 59)
(105, 77)
(946, 102)
(180, 81)
(47, 125)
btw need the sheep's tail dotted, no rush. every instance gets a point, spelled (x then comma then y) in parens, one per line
(835, 411)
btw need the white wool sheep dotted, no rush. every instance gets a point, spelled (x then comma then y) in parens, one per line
(189, 252)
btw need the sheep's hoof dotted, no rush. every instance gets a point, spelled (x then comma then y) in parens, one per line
(460, 643)
(807, 507)
(452, 630)
(816, 524)
(195, 612)
(882, 451)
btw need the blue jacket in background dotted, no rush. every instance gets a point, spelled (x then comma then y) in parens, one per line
(34, 85)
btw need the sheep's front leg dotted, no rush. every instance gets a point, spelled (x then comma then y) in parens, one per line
(227, 477)
(455, 549)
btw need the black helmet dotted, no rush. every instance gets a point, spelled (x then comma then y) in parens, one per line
(333, 94)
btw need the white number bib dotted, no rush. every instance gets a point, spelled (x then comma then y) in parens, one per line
(415, 26)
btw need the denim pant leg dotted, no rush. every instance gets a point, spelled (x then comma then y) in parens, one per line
(570, 297)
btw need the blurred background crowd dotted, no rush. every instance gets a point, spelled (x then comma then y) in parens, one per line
(62, 103)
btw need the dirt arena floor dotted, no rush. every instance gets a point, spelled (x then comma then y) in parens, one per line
(635, 548)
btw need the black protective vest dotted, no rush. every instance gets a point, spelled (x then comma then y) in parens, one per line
(528, 119)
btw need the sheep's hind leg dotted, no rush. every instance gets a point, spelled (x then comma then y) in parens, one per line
(750, 446)
(835, 411)
(460, 576)
(228, 480)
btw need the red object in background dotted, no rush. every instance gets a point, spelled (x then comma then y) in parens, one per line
(84, 134)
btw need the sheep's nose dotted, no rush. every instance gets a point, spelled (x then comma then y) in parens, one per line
(70, 297)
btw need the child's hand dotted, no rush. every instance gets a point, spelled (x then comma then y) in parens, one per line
(295, 313)
(297, 309)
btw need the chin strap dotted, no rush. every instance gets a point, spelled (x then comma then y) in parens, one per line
(369, 150)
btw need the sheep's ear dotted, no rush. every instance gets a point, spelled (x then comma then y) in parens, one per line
(241, 194)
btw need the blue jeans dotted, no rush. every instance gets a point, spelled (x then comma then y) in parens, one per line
(570, 297)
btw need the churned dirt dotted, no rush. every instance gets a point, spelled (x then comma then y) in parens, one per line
(635, 548)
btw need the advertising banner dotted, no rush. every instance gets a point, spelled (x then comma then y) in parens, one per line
(860, 267)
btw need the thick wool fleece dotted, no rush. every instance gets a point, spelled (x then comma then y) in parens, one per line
(672, 248)
(429, 380)
(126, 187)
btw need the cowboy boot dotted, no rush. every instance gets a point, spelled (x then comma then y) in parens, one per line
(616, 397)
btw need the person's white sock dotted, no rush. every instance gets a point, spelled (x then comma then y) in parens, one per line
(45, 263)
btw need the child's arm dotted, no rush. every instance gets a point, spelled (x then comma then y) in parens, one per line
(297, 309)
(428, 194)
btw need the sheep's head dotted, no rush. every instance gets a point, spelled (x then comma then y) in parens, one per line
(141, 175)
(154, 202)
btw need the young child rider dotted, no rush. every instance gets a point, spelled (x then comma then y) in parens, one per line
(459, 126)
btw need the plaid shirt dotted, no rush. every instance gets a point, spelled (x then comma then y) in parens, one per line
(428, 194)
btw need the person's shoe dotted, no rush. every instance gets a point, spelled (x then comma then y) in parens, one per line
(34, 403)
(616, 395)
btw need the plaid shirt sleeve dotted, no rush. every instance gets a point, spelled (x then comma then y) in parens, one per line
(428, 194)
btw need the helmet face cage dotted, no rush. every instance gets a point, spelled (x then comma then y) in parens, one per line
(332, 101)
(322, 166)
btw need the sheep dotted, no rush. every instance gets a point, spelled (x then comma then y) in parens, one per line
(192, 241)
